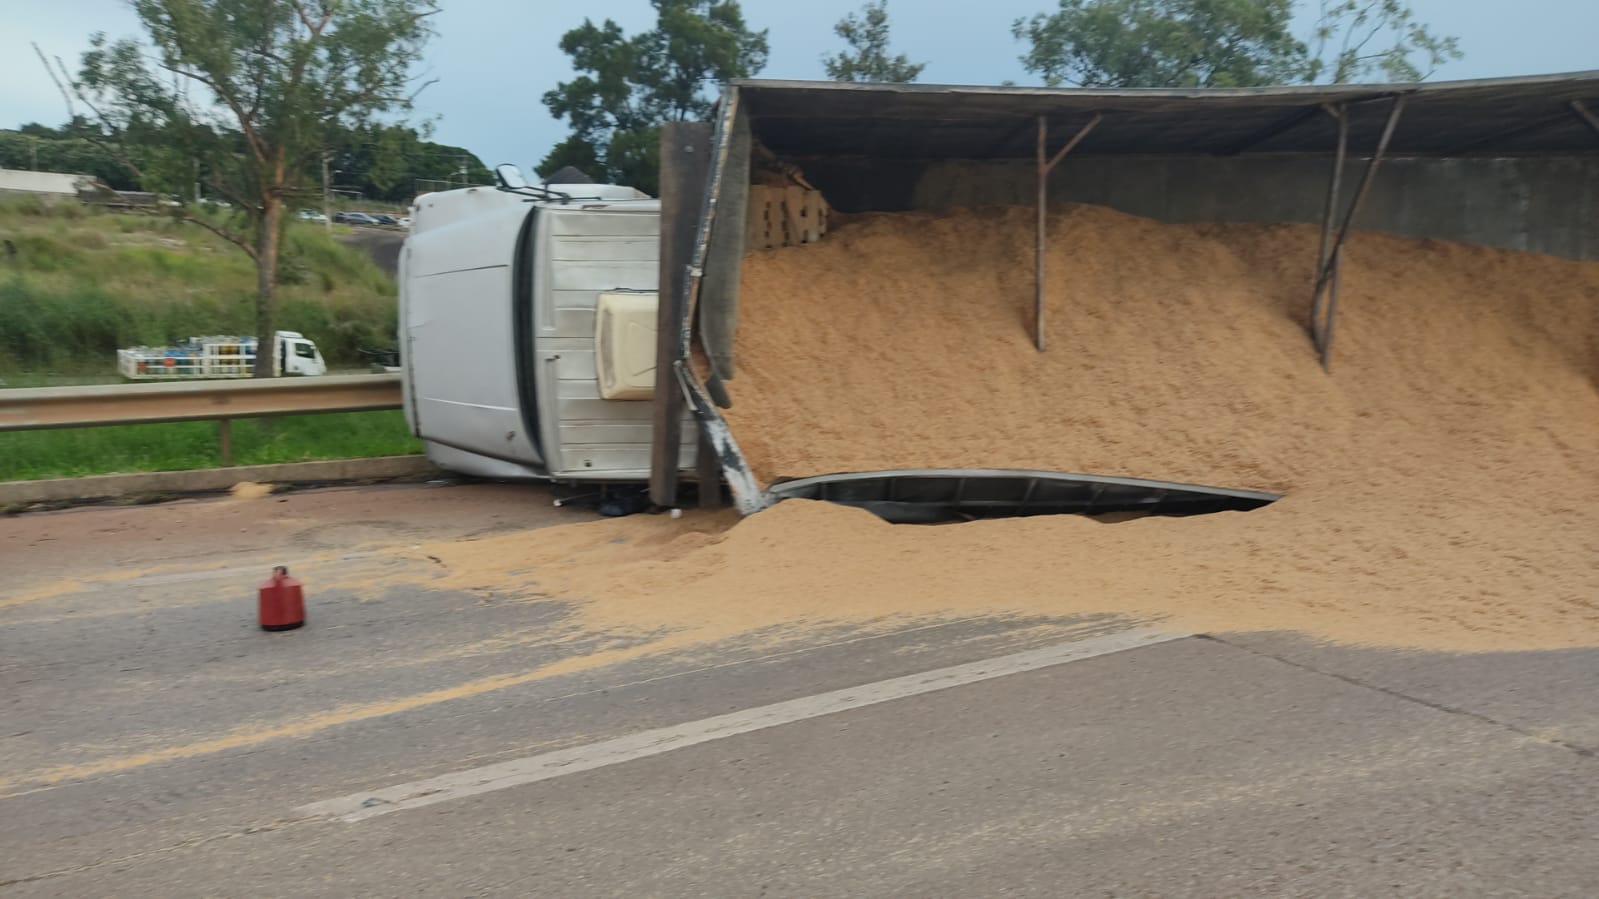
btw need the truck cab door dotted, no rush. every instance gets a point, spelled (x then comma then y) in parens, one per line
(301, 357)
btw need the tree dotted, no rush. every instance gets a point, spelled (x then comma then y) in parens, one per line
(574, 152)
(385, 162)
(867, 58)
(1226, 43)
(628, 86)
(1355, 39)
(244, 96)
(1163, 43)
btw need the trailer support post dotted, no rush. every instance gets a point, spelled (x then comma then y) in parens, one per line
(1045, 166)
(1323, 314)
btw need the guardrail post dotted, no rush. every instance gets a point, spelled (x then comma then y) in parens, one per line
(225, 441)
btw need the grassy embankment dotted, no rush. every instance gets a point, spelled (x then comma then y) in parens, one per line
(77, 284)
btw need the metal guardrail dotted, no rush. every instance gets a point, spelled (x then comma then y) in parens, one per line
(33, 408)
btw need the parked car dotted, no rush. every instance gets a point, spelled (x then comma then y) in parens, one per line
(383, 219)
(355, 218)
(311, 215)
(405, 222)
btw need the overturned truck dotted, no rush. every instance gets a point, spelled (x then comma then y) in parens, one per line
(587, 333)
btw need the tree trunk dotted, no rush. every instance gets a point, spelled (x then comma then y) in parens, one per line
(266, 269)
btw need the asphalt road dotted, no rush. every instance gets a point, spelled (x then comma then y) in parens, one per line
(154, 743)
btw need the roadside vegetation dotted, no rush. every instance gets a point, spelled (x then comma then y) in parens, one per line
(77, 283)
(32, 455)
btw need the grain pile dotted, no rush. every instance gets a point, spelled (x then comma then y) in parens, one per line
(1442, 486)
(1175, 352)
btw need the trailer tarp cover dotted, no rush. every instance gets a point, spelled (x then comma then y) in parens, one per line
(1536, 115)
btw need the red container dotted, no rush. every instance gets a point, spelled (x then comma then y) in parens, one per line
(282, 605)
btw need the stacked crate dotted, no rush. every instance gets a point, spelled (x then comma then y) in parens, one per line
(784, 215)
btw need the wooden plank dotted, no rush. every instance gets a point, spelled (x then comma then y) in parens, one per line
(685, 165)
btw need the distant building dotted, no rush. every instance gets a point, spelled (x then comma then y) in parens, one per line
(52, 186)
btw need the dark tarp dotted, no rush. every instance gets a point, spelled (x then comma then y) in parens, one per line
(1492, 117)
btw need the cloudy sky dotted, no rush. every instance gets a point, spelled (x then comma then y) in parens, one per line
(495, 58)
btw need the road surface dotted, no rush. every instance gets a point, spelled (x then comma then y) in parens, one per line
(153, 742)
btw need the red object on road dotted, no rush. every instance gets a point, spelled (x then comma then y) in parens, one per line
(282, 603)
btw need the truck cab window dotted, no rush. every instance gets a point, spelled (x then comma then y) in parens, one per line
(305, 350)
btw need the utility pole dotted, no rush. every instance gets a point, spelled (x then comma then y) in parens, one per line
(327, 207)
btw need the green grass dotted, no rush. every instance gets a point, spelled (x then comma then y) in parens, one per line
(81, 283)
(30, 455)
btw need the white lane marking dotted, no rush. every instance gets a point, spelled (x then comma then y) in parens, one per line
(460, 784)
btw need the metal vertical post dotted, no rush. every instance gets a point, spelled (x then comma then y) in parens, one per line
(1328, 275)
(685, 164)
(1329, 215)
(225, 441)
(1038, 238)
(1045, 166)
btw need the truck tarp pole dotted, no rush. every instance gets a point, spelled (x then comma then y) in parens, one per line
(1038, 238)
(1328, 276)
(685, 162)
(1340, 114)
(1045, 166)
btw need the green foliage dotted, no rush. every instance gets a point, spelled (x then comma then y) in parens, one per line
(245, 96)
(81, 285)
(1357, 39)
(1163, 43)
(576, 152)
(628, 86)
(1226, 43)
(867, 58)
(30, 455)
(386, 162)
(51, 152)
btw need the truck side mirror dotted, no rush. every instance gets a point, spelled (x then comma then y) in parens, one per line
(509, 176)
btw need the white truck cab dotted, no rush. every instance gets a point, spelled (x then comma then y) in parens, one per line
(297, 355)
(527, 324)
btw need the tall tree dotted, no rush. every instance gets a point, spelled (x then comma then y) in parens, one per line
(242, 96)
(1355, 40)
(1226, 43)
(627, 86)
(1163, 43)
(867, 58)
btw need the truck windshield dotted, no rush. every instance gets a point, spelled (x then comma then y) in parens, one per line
(305, 350)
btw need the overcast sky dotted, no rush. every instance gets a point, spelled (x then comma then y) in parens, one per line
(495, 58)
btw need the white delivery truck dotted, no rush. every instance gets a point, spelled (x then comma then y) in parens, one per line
(200, 358)
(528, 328)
